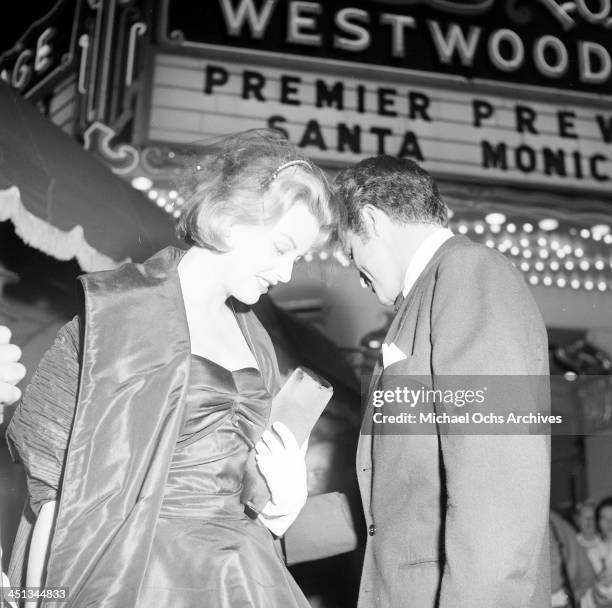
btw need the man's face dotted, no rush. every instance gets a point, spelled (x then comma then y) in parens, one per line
(377, 265)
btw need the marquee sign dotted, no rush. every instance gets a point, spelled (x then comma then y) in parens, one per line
(341, 119)
(46, 53)
(539, 43)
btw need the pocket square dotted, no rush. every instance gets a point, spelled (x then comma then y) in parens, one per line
(391, 354)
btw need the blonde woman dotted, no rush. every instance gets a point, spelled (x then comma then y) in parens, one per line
(136, 428)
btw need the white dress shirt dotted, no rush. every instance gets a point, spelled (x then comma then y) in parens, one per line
(423, 256)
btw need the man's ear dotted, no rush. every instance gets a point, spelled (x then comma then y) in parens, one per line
(372, 219)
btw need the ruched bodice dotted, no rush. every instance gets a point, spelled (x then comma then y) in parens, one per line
(227, 559)
(226, 412)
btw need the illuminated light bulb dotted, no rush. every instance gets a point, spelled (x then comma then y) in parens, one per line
(607, 239)
(602, 286)
(554, 265)
(561, 282)
(567, 248)
(180, 201)
(142, 183)
(524, 242)
(585, 234)
(514, 250)
(171, 154)
(554, 245)
(490, 243)
(584, 265)
(547, 280)
(323, 255)
(495, 228)
(511, 228)
(578, 252)
(588, 285)
(451, 214)
(479, 229)
(169, 207)
(172, 194)
(539, 266)
(575, 284)
(569, 265)
(308, 257)
(524, 266)
(341, 257)
(527, 253)
(599, 231)
(542, 241)
(528, 227)
(543, 253)
(495, 218)
(533, 279)
(176, 214)
(152, 194)
(161, 201)
(462, 229)
(600, 264)
(570, 376)
(561, 253)
(548, 224)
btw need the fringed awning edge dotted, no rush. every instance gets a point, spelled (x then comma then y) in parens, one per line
(60, 244)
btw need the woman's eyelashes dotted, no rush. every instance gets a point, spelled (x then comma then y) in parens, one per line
(283, 248)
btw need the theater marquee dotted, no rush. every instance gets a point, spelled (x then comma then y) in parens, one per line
(465, 106)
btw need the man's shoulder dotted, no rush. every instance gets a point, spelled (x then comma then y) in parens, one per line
(462, 250)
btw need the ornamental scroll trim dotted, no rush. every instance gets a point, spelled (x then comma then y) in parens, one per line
(61, 244)
(121, 158)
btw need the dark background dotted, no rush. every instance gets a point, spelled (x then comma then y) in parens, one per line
(17, 18)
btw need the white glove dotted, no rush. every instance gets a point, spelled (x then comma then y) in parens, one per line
(11, 371)
(281, 462)
(5, 584)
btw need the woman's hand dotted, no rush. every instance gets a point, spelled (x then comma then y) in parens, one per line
(281, 462)
(11, 371)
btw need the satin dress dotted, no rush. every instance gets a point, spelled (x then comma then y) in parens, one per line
(206, 552)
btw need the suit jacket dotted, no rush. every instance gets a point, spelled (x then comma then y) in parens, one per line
(455, 520)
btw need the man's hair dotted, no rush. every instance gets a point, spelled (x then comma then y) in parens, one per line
(397, 186)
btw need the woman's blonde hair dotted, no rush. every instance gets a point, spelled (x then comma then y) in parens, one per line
(252, 178)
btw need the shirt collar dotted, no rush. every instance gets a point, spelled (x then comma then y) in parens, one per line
(423, 256)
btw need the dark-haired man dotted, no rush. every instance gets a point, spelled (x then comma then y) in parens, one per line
(454, 520)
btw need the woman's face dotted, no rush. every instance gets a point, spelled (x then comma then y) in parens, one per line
(605, 523)
(262, 256)
(586, 521)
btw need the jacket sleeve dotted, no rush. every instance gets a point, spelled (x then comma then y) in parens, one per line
(39, 430)
(485, 323)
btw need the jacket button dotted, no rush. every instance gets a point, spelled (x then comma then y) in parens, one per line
(372, 530)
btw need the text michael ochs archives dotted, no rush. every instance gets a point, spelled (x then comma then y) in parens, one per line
(456, 405)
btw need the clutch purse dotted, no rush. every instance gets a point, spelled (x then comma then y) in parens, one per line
(324, 528)
(298, 406)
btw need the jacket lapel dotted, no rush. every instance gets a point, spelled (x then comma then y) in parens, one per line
(364, 447)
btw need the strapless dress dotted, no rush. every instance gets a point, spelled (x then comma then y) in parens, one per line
(206, 552)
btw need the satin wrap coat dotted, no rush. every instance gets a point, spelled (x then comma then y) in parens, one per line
(135, 363)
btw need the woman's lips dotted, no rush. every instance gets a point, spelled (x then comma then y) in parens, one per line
(264, 284)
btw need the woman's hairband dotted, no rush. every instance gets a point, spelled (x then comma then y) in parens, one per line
(266, 184)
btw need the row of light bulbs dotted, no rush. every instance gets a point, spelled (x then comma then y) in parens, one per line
(551, 260)
(545, 259)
